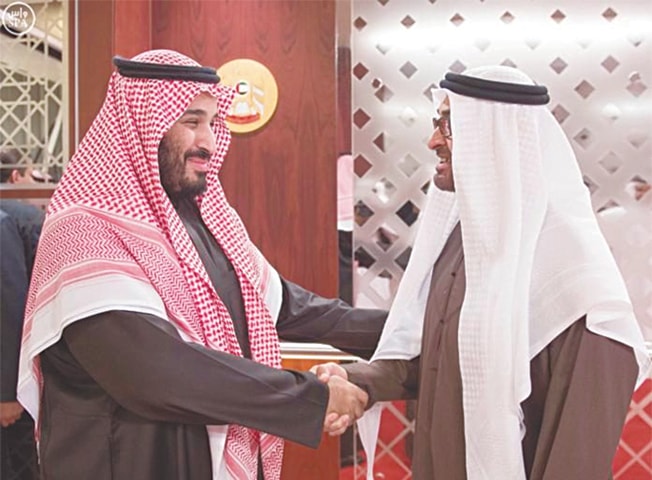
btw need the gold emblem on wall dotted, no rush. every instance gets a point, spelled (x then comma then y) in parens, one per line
(256, 94)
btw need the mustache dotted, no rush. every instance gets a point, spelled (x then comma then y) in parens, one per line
(443, 152)
(200, 153)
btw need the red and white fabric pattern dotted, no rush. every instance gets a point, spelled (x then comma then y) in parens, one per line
(112, 240)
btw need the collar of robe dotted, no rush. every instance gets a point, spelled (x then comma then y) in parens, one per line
(129, 68)
(497, 91)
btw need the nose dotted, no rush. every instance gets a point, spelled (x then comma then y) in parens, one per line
(206, 138)
(436, 140)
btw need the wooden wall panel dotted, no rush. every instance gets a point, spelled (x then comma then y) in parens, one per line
(104, 28)
(344, 120)
(132, 32)
(95, 31)
(302, 463)
(281, 179)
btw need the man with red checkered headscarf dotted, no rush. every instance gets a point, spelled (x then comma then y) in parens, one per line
(151, 341)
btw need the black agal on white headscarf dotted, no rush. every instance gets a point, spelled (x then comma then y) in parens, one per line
(496, 91)
(534, 257)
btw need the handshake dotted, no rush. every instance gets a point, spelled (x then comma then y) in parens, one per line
(346, 401)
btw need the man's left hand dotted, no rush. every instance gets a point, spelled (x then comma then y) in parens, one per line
(10, 412)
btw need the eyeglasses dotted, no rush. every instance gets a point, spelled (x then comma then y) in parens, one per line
(443, 123)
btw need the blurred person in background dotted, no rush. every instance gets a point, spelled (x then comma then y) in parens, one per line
(20, 225)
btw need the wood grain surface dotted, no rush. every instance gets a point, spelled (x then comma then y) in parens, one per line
(281, 178)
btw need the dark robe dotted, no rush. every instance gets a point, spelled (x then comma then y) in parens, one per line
(126, 398)
(581, 388)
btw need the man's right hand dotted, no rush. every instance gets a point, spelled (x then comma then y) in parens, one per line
(346, 403)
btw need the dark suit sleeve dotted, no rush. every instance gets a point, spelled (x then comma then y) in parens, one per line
(385, 380)
(147, 368)
(13, 292)
(307, 317)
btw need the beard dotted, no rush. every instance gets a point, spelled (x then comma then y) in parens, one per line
(172, 168)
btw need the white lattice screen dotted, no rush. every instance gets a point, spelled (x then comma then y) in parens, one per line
(596, 59)
(32, 88)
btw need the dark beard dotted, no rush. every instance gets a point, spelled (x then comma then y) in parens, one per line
(188, 189)
(173, 178)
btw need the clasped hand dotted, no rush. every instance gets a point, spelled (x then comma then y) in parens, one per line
(10, 412)
(346, 402)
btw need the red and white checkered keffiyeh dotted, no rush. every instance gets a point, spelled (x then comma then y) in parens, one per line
(113, 240)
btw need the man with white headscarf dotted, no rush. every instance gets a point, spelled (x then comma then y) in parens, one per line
(151, 341)
(512, 326)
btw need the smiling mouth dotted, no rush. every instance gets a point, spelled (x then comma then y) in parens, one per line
(198, 163)
(444, 162)
(443, 166)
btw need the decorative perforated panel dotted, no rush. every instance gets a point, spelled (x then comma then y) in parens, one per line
(595, 59)
(31, 86)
